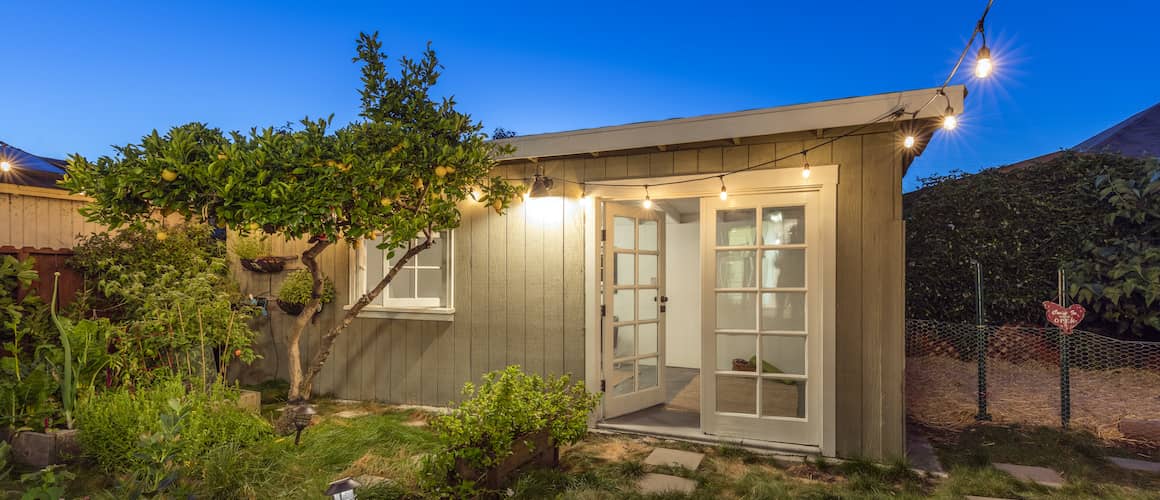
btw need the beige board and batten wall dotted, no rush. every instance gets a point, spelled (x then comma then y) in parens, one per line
(39, 217)
(519, 287)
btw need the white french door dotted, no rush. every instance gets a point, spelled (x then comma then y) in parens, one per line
(761, 365)
(633, 324)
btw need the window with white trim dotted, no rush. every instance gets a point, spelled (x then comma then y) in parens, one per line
(422, 284)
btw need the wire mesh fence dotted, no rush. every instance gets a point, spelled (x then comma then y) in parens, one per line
(959, 374)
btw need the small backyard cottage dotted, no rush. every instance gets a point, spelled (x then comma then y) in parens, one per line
(762, 307)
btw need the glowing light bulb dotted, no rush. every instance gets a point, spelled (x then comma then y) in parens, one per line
(983, 64)
(5, 166)
(647, 203)
(724, 194)
(949, 119)
(527, 195)
(806, 171)
(908, 141)
(950, 122)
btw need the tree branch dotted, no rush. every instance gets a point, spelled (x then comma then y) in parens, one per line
(327, 342)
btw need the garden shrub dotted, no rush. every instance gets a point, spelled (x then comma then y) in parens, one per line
(173, 297)
(112, 422)
(1022, 225)
(508, 405)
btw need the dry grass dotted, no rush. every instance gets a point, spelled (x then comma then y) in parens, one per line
(941, 392)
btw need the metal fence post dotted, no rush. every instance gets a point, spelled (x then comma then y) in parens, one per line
(1064, 360)
(980, 344)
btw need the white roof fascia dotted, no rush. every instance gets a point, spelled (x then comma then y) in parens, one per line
(834, 113)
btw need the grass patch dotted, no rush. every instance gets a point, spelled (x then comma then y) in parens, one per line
(389, 443)
(1079, 456)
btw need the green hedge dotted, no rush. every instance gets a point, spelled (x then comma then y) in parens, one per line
(1022, 225)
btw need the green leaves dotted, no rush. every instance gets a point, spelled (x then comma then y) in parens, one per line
(507, 406)
(1093, 214)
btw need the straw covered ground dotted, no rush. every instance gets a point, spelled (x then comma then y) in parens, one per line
(941, 392)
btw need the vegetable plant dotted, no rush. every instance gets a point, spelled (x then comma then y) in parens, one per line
(399, 174)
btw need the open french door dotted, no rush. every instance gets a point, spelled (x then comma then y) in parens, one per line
(761, 364)
(633, 330)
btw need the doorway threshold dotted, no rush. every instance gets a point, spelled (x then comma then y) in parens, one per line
(695, 435)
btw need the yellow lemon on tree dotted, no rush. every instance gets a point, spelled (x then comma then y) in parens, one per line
(168, 175)
(450, 169)
(221, 156)
(162, 235)
(497, 205)
(441, 171)
(254, 226)
(418, 183)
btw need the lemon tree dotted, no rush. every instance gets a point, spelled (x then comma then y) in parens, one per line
(399, 172)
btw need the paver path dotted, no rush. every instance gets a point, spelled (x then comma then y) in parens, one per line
(660, 483)
(1136, 465)
(664, 456)
(1041, 475)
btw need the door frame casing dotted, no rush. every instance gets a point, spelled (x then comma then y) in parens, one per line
(823, 178)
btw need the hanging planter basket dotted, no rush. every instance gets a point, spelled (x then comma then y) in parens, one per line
(290, 308)
(264, 264)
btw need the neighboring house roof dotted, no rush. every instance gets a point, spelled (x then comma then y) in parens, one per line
(834, 113)
(1138, 136)
(29, 169)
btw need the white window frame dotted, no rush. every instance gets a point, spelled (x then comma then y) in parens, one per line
(403, 308)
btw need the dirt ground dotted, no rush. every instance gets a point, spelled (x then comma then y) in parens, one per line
(942, 392)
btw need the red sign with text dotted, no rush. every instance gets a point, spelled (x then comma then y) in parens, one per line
(1066, 318)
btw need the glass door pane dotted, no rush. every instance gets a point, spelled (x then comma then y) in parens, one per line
(761, 290)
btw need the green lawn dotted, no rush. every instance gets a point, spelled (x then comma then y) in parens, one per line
(389, 443)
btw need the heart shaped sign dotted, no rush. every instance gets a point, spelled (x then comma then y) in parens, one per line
(1066, 318)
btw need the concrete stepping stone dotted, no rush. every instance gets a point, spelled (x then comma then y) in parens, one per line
(352, 414)
(1040, 475)
(1136, 465)
(664, 456)
(661, 483)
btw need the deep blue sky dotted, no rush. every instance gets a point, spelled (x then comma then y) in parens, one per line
(77, 77)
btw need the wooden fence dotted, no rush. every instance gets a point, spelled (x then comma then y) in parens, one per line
(49, 261)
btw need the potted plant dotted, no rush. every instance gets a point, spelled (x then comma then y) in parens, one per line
(296, 290)
(254, 254)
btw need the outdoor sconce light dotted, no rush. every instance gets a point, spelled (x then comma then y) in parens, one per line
(541, 186)
(908, 142)
(303, 414)
(343, 489)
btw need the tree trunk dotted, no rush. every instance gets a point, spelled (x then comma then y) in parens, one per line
(327, 343)
(309, 258)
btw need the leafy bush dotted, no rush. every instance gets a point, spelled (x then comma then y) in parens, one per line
(1119, 280)
(173, 297)
(299, 286)
(27, 361)
(111, 422)
(250, 247)
(508, 405)
(1022, 225)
